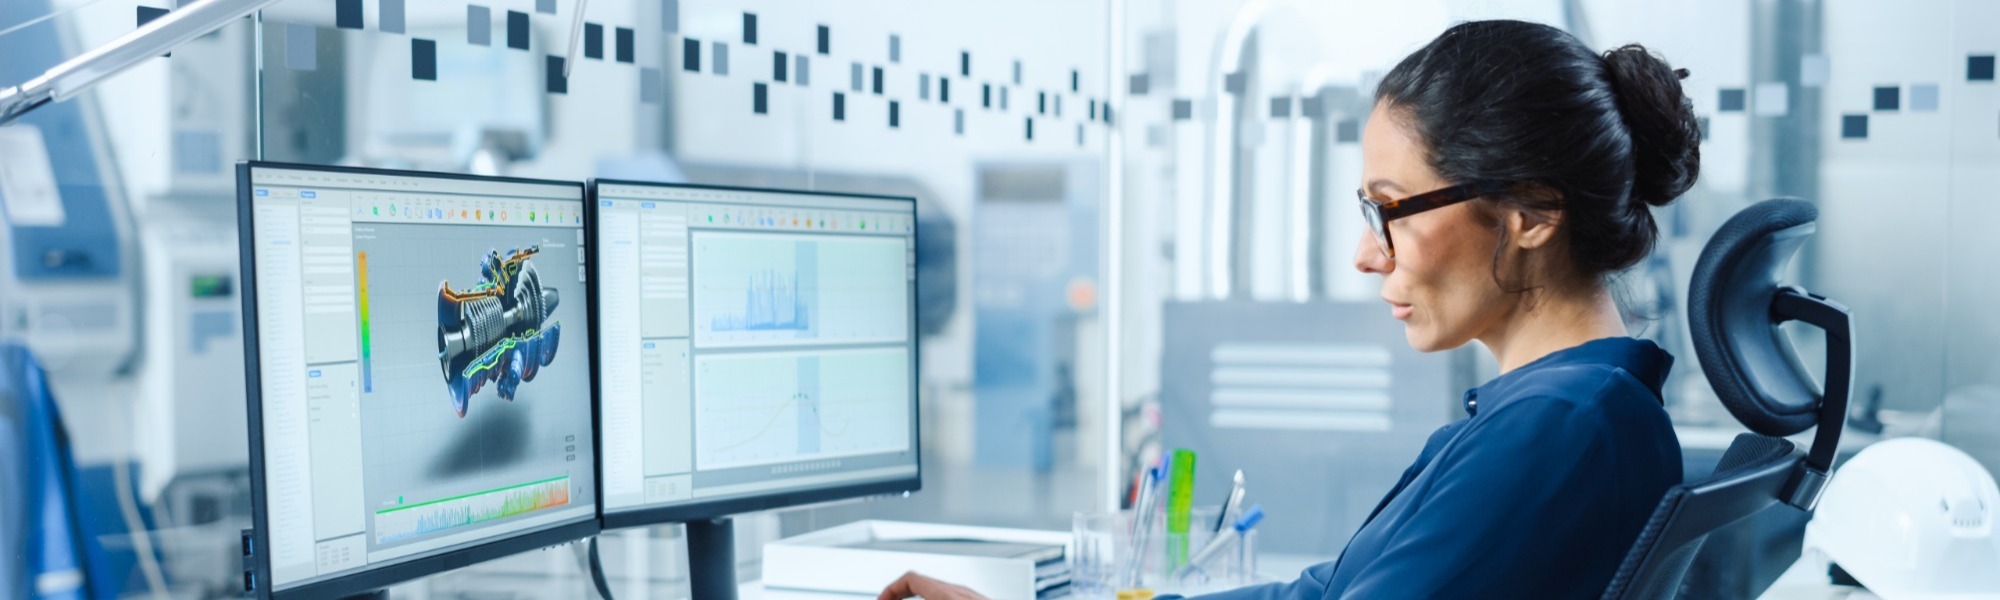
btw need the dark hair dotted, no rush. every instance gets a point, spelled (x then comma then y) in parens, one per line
(1609, 134)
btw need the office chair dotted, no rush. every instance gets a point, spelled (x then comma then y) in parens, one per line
(1735, 305)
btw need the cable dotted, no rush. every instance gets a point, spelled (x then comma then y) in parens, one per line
(587, 561)
(597, 571)
(142, 539)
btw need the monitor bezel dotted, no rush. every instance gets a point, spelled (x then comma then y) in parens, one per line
(373, 577)
(649, 515)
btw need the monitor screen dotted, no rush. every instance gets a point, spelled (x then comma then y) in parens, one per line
(758, 347)
(421, 375)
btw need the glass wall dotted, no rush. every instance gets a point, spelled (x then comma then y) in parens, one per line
(120, 274)
(994, 116)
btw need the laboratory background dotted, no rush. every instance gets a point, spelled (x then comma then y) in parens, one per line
(1134, 233)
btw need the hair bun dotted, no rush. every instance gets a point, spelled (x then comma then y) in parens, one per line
(1666, 139)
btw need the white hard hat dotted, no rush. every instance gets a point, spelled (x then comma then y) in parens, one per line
(1911, 518)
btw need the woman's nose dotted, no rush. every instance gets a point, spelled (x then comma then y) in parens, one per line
(1368, 256)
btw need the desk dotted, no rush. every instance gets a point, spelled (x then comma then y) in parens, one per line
(1717, 439)
(1806, 580)
(755, 591)
(1270, 566)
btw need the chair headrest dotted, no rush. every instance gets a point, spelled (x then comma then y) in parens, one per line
(1748, 361)
(1735, 306)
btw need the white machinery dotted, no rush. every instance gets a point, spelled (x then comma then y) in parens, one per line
(66, 263)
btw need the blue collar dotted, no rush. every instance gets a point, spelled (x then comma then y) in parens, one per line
(1643, 359)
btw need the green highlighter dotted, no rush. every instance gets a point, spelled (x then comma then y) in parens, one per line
(1180, 503)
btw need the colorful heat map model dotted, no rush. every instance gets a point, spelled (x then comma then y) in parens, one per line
(499, 330)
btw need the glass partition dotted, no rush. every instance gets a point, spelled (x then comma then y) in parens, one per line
(999, 134)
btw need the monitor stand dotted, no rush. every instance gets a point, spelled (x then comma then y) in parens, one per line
(382, 594)
(711, 545)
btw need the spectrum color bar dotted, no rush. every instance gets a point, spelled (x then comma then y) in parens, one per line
(367, 361)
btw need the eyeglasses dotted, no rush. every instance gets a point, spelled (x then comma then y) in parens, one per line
(1379, 214)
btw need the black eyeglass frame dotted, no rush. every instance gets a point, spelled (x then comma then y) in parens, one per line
(1380, 214)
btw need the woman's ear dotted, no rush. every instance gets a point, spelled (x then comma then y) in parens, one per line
(1536, 227)
(1533, 228)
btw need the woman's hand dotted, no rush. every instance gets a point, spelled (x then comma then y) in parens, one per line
(912, 585)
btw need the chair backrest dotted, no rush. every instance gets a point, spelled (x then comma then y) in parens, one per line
(1747, 480)
(1735, 305)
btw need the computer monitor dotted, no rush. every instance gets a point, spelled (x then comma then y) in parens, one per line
(758, 350)
(420, 373)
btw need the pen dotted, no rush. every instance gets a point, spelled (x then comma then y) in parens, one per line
(1142, 523)
(1231, 504)
(1221, 542)
(1146, 482)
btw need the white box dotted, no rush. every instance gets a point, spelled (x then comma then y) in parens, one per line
(818, 561)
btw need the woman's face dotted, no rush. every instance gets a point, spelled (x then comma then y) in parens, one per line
(1440, 285)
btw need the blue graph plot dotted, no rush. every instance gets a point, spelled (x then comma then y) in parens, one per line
(771, 302)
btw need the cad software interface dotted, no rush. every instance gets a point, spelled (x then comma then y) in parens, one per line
(752, 342)
(424, 364)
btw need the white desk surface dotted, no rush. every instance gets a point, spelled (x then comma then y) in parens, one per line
(1275, 567)
(1806, 580)
(755, 591)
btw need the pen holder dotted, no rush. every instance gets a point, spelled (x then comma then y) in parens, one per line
(1107, 558)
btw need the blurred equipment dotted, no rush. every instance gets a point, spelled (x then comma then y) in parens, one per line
(1322, 403)
(1735, 308)
(1034, 280)
(1911, 518)
(189, 424)
(65, 247)
(463, 127)
(188, 435)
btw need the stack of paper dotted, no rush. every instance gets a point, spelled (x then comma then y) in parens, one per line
(863, 557)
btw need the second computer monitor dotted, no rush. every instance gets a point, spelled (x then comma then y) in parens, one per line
(758, 348)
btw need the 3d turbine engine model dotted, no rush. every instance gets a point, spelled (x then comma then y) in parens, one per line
(497, 331)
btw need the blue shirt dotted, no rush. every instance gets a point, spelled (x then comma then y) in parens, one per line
(1539, 494)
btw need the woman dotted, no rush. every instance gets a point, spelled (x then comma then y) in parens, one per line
(1508, 172)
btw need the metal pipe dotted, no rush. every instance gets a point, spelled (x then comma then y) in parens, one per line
(1222, 141)
(1113, 474)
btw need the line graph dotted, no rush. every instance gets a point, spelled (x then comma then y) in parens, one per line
(774, 408)
(770, 289)
(812, 424)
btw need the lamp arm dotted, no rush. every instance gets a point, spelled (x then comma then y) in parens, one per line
(73, 76)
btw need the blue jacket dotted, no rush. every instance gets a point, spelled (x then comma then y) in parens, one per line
(1537, 495)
